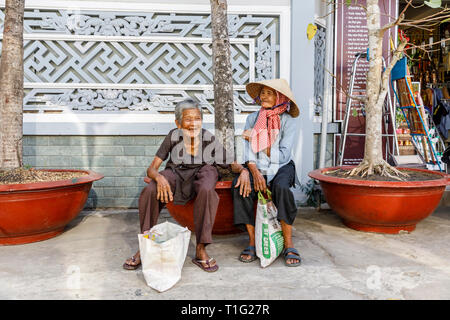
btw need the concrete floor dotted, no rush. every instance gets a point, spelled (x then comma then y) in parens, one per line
(85, 262)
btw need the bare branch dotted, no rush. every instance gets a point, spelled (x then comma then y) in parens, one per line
(416, 27)
(401, 16)
(438, 16)
(341, 88)
(417, 7)
(336, 7)
(385, 78)
(422, 47)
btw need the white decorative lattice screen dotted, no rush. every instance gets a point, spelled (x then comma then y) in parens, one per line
(102, 61)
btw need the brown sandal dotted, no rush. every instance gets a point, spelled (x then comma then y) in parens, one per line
(209, 268)
(134, 266)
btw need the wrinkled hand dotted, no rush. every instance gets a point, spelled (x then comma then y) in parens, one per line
(244, 183)
(259, 181)
(164, 192)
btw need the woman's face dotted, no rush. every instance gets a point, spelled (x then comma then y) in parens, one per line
(191, 122)
(268, 97)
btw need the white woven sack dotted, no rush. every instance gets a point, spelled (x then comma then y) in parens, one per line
(269, 239)
(163, 254)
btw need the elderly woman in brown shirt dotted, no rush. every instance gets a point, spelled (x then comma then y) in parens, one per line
(190, 173)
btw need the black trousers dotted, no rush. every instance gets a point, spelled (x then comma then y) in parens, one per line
(244, 212)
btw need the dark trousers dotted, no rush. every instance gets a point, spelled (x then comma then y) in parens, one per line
(205, 203)
(281, 195)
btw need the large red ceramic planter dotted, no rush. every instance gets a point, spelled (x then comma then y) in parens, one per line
(381, 206)
(38, 211)
(223, 224)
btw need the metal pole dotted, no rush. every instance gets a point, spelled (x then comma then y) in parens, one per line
(347, 111)
(327, 91)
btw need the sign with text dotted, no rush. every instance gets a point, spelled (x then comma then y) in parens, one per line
(351, 38)
(353, 154)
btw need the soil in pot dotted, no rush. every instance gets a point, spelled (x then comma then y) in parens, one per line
(25, 175)
(412, 176)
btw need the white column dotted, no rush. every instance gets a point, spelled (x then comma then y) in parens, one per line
(302, 84)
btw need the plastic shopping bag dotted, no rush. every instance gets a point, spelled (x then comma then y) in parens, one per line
(163, 251)
(269, 239)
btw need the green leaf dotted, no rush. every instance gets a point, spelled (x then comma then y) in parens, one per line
(348, 2)
(433, 3)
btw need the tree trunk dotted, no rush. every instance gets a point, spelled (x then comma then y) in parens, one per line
(223, 79)
(377, 86)
(11, 84)
(373, 147)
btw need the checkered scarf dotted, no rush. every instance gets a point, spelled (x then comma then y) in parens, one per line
(268, 124)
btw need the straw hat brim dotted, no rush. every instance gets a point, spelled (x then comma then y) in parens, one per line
(280, 85)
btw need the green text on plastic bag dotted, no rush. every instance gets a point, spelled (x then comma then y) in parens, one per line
(265, 241)
(278, 240)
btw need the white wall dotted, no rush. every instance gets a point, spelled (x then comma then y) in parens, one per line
(302, 84)
(206, 2)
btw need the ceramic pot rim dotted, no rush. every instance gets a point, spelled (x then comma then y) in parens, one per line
(219, 184)
(318, 175)
(223, 184)
(90, 177)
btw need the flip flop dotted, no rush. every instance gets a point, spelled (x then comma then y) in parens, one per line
(209, 268)
(128, 266)
(250, 251)
(287, 256)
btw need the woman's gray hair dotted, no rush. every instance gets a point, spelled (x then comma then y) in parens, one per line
(184, 105)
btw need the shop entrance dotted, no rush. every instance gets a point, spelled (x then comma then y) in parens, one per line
(428, 57)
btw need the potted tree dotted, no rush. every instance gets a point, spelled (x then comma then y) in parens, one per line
(374, 196)
(34, 204)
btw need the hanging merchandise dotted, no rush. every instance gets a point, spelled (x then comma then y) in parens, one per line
(429, 65)
(422, 129)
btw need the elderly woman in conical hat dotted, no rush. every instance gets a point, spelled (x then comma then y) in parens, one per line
(269, 135)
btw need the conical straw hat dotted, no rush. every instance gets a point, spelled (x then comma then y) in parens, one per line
(280, 85)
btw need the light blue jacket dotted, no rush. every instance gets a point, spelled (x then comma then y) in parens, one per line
(280, 150)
